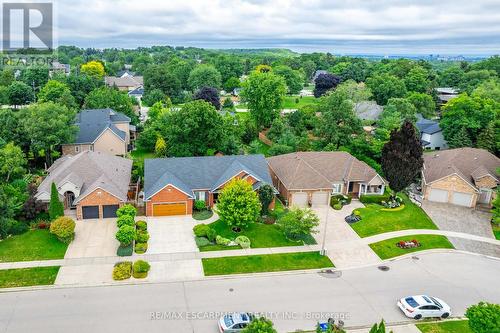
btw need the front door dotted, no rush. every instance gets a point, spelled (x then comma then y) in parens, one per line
(69, 199)
(484, 196)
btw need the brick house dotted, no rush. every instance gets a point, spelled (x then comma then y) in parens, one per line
(95, 184)
(171, 185)
(464, 177)
(311, 178)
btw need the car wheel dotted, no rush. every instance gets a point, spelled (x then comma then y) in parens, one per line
(417, 317)
(445, 315)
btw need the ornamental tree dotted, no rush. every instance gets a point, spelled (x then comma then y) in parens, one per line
(210, 95)
(260, 325)
(126, 210)
(64, 229)
(299, 222)
(93, 68)
(402, 157)
(484, 317)
(266, 196)
(56, 207)
(325, 82)
(160, 147)
(238, 205)
(125, 235)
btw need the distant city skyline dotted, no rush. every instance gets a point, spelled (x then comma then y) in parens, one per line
(352, 27)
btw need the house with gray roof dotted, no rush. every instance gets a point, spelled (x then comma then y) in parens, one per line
(101, 130)
(171, 185)
(368, 110)
(94, 183)
(431, 135)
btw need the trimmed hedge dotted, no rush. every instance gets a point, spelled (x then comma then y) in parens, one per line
(126, 210)
(122, 270)
(201, 241)
(141, 248)
(142, 236)
(126, 235)
(141, 226)
(374, 199)
(140, 269)
(200, 230)
(125, 251)
(64, 229)
(125, 220)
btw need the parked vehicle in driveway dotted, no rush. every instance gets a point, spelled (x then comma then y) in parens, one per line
(234, 322)
(423, 306)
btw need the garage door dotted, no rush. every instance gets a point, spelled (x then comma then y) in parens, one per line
(109, 210)
(299, 199)
(168, 209)
(461, 199)
(438, 195)
(90, 212)
(320, 198)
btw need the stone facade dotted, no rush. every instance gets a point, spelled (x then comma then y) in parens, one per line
(451, 183)
(486, 182)
(99, 198)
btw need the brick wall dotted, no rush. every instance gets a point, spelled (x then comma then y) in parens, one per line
(166, 195)
(99, 198)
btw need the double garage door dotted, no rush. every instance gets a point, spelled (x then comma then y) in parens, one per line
(456, 198)
(300, 199)
(170, 209)
(92, 212)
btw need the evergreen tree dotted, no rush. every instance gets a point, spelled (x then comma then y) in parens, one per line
(460, 139)
(402, 157)
(56, 208)
(486, 139)
(160, 147)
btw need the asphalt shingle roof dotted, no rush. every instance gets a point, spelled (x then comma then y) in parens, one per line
(428, 126)
(204, 172)
(91, 123)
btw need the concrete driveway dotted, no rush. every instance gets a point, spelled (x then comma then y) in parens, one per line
(171, 234)
(459, 219)
(342, 242)
(93, 238)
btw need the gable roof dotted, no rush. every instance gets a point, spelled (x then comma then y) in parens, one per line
(319, 170)
(89, 170)
(428, 126)
(124, 81)
(91, 123)
(204, 172)
(469, 163)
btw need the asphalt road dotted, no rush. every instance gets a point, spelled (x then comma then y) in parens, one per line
(362, 296)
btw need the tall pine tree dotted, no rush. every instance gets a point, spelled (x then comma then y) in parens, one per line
(486, 139)
(402, 157)
(460, 139)
(56, 208)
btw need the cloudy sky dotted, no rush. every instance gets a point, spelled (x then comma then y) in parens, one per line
(345, 26)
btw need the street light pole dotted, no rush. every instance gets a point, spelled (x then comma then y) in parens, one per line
(323, 249)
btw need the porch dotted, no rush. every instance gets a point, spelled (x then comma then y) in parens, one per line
(357, 189)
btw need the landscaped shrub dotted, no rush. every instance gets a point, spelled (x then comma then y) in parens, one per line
(298, 222)
(140, 269)
(200, 230)
(142, 236)
(126, 210)
(141, 225)
(243, 241)
(125, 250)
(266, 196)
(340, 199)
(64, 229)
(17, 227)
(125, 235)
(200, 205)
(219, 240)
(56, 207)
(211, 235)
(484, 317)
(122, 270)
(201, 241)
(337, 206)
(356, 212)
(374, 199)
(125, 220)
(141, 248)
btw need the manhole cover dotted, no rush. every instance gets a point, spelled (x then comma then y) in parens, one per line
(231, 289)
(415, 258)
(329, 273)
(383, 268)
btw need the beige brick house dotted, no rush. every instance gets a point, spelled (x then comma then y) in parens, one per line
(311, 178)
(464, 176)
(101, 130)
(95, 184)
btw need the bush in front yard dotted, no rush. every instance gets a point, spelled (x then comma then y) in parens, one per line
(125, 235)
(375, 198)
(125, 220)
(200, 205)
(141, 248)
(141, 225)
(64, 229)
(219, 240)
(126, 210)
(211, 235)
(142, 236)
(266, 196)
(122, 270)
(125, 250)
(298, 222)
(484, 317)
(243, 241)
(140, 269)
(337, 206)
(200, 230)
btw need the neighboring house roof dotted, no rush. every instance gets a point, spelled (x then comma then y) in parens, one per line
(124, 81)
(92, 123)
(368, 110)
(88, 171)
(319, 170)
(469, 163)
(139, 91)
(447, 90)
(204, 172)
(428, 126)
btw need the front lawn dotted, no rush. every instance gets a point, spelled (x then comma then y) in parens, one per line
(32, 245)
(452, 326)
(496, 230)
(265, 263)
(290, 102)
(23, 277)
(141, 154)
(376, 220)
(387, 248)
(260, 235)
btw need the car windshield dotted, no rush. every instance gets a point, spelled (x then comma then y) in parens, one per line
(426, 299)
(411, 302)
(228, 320)
(436, 302)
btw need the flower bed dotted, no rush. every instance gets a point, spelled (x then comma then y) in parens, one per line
(408, 244)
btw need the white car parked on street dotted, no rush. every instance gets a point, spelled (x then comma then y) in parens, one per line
(234, 322)
(423, 306)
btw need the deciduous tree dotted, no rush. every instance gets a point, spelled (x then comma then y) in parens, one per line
(210, 95)
(12, 162)
(19, 93)
(325, 82)
(105, 97)
(385, 86)
(93, 68)
(204, 76)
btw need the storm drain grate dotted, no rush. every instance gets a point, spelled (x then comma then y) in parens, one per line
(383, 268)
(415, 258)
(330, 273)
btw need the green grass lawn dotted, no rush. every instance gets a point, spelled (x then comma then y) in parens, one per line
(387, 248)
(23, 277)
(290, 101)
(265, 263)
(202, 215)
(376, 221)
(141, 154)
(496, 230)
(452, 326)
(32, 245)
(260, 235)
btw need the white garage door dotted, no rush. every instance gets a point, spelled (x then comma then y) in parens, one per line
(438, 195)
(461, 199)
(320, 198)
(299, 199)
